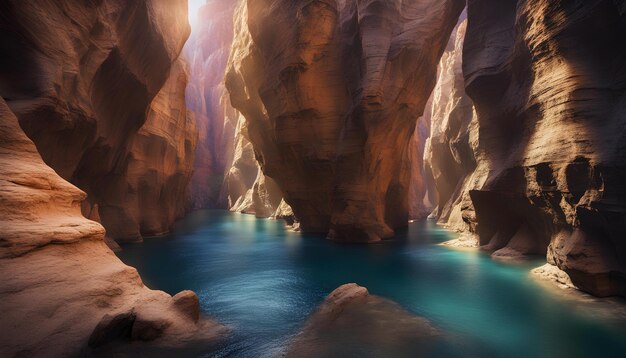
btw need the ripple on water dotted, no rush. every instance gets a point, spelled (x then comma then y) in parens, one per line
(263, 281)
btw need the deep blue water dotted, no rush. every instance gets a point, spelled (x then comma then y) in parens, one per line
(263, 281)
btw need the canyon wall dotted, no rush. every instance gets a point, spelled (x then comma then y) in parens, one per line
(249, 190)
(64, 293)
(227, 174)
(548, 82)
(207, 53)
(89, 84)
(331, 92)
(450, 150)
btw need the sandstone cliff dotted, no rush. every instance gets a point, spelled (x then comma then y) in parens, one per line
(331, 91)
(63, 291)
(82, 78)
(449, 153)
(207, 52)
(548, 81)
(249, 190)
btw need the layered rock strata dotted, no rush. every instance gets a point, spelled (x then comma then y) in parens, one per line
(331, 91)
(548, 82)
(449, 155)
(86, 80)
(63, 292)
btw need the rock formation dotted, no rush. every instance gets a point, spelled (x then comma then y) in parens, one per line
(353, 322)
(331, 91)
(64, 293)
(449, 154)
(249, 190)
(419, 203)
(207, 52)
(548, 82)
(160, 164)
(84, 79)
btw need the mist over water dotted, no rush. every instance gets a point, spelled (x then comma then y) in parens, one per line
(263, 281)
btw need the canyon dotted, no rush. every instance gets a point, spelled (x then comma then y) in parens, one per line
(330, 92)
(503, 121)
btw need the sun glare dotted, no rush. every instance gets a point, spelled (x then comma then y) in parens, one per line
(194, 6)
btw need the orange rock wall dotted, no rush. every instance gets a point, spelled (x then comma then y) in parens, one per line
(331, 92)
(83, 80)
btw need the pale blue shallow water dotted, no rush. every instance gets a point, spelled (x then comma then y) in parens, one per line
(263, 281)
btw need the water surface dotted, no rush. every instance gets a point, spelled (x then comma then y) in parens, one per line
(263, 281)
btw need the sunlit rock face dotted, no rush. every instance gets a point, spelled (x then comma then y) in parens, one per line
(82, 78)
(207, 53)
(331, 91)
(249, 190)
(449, 155)
(420, 204)
(548, 81)
(60, 283)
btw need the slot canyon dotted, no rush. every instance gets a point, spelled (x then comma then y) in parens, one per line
(313, 178)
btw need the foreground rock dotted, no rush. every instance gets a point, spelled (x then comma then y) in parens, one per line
(63, 292)
(331, 91)
(351, 322)
(88, 81)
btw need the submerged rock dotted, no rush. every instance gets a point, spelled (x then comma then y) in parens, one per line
(351, 322)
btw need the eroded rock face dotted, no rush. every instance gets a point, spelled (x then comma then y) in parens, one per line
(548, 82)
(331, 91)
(353, 322)
(63, 291)
(82, 78)
(249, 190)
(160, 165)
(207, 52)
(450, 149)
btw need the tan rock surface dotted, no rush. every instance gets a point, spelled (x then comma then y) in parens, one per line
(249, 190)
(331, 91)
(81, 77)
(59, 277)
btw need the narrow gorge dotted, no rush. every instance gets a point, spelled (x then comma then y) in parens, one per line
(218, 177)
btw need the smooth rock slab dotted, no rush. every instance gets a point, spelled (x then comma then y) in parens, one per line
(351, 322)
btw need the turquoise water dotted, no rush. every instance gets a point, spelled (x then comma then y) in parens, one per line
(263, 281)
